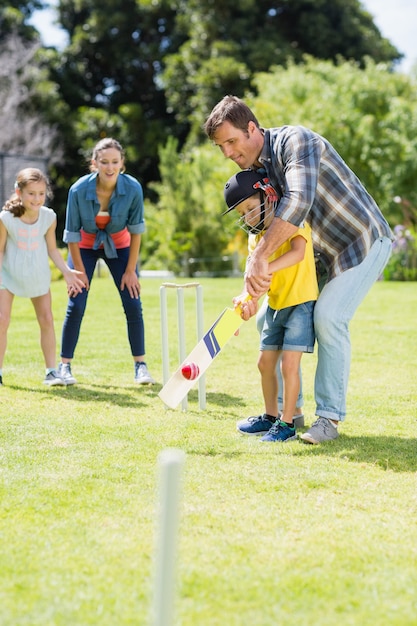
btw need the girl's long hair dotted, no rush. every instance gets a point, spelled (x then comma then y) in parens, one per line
(23, 178)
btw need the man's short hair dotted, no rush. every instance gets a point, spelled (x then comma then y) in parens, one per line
(230, 109)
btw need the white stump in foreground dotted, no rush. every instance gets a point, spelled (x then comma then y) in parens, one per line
(171, 462)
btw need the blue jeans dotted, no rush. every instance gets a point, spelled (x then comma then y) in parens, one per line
(260, 318)
(76, 306)
(334, 309)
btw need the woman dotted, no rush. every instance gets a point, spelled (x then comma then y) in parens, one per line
(105, 220)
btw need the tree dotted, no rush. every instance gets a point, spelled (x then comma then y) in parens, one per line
(160, 65)
(226, 43)
(111, 64)
(25, 96)
(184, 223)
(146, 70)
(14, 18)
(372, 123)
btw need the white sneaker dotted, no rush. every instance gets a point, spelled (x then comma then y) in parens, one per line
(64, 372)
(142, 376)
(53, 378)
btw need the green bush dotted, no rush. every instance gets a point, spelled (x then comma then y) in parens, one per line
(403, 262)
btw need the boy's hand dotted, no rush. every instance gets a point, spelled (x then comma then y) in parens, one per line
(248, 305)
(239, 300)
(249, 309)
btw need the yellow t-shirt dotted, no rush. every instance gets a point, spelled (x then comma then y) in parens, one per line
(296, 284)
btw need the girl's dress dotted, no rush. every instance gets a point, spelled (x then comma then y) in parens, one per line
(26, 271)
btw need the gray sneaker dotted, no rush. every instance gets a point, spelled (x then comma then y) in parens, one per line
(321, 430)
(53, 378)
(142, 375)
(64, 372)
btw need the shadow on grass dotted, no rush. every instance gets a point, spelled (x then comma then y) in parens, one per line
(97, 393)
(386, 453)
(389, 453)
(114, 395)
(218, 399)
(211, 450)
(214, 400)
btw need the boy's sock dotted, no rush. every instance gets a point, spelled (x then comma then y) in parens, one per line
(289, 424)
(271, 418)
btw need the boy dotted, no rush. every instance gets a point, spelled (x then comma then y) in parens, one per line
(288, 328)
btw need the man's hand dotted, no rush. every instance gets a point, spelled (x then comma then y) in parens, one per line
(257, 278)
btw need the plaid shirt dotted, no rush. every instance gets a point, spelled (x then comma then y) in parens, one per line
(318, 187)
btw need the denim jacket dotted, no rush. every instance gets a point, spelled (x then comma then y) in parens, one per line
(125, 209)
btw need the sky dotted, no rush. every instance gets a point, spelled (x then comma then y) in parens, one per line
(396, 19)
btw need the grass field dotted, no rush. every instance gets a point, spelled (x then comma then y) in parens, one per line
(270, 534)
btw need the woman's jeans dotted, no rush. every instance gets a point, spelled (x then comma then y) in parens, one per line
(76, 305)
(334, 309)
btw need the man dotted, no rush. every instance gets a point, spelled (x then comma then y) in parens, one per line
(351, 238)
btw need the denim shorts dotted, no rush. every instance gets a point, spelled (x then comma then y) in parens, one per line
(291, 328)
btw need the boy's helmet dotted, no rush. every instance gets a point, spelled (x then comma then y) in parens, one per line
(242, 186)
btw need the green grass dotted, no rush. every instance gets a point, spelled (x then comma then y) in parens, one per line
(270, 534)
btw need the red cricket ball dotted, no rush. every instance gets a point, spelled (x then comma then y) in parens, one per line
(190, 371)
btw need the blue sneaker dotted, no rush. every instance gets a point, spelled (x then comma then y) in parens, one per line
(255, 425)
(280, 431)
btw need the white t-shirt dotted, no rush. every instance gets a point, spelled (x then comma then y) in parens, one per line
(26, 270)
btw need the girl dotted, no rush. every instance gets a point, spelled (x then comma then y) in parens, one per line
(27, 238)
(105, 220)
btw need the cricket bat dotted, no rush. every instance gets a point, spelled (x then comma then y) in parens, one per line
(209, 346)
